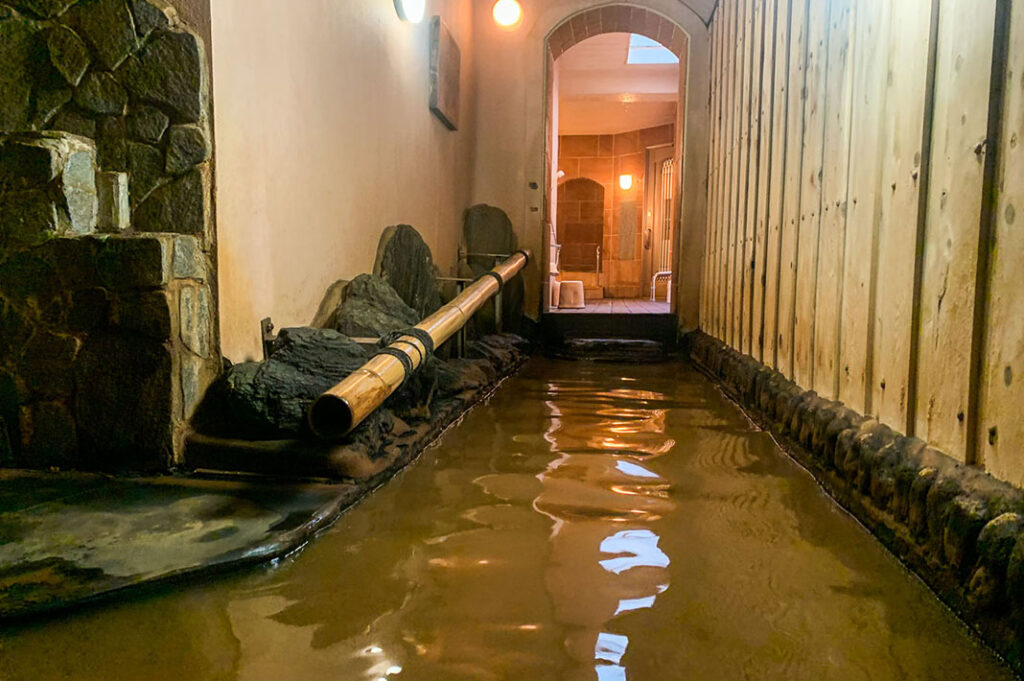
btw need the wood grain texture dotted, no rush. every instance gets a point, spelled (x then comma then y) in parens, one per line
(897, 239)
(777, 183)
(1001, 427)
(816, 86)
(834, 187)
(870, 76)
(794, 184)
(960, 125)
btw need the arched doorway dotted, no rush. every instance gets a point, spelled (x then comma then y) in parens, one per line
(641, 236)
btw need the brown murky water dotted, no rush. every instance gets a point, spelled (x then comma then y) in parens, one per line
(592, 522)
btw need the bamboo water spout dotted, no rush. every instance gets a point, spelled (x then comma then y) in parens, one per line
(339, 410)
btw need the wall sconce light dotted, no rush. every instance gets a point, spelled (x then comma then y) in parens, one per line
(626, 182)
(507, 13)
(411, 10)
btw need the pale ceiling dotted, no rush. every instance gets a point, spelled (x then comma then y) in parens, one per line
(600, 94)
(704, 8)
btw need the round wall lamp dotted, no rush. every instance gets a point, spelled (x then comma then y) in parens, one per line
(507, 13)
(626, 182)
(411, 10)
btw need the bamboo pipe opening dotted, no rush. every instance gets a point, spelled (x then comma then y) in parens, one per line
(330, 417)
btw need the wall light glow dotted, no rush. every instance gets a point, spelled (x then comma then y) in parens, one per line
(626, 182)
(411, 10)
(507, 13)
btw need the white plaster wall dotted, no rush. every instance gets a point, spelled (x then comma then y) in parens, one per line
(511, 130)
(324, 138)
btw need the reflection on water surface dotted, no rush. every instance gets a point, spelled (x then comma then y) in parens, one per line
(592, 522)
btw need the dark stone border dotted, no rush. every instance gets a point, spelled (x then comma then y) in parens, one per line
(407, 449)
(959, 529)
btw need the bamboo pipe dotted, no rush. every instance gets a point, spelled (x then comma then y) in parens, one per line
(339, 410)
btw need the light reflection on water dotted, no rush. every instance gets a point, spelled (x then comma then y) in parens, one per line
(592, 522)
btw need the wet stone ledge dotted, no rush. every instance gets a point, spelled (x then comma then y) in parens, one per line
(958, 528)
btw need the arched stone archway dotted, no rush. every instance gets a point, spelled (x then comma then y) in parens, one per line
(617, 19)
(686, 249)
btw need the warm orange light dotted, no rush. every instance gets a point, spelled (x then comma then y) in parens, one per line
(626, 182)
(507, 13)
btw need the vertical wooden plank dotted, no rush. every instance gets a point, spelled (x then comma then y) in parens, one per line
(870, 75)
(743, 155)
(777, 185)
(794, 186)
(810, 193)
(716, 55)
(834, 184)
(729, 119)
(910, 42)
(720, 216)
(764, 179)
(753, 178)
(1001, 428)
(960, 125)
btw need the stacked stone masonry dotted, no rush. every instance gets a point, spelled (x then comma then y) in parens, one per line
(959, 528)
(107, 316)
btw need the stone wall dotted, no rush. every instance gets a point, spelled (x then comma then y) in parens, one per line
(107, 340)
(959, 528)
(603, 158)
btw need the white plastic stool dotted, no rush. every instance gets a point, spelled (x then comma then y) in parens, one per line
(570, 296)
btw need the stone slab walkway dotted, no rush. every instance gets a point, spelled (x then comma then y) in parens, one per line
(70, 537)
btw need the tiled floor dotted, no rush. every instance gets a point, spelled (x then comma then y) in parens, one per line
(621, 306)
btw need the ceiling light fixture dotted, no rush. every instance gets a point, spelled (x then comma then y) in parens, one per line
(411, 10)
(507, 13)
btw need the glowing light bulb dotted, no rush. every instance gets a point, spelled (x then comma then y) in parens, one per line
(411, 10)
(507, 13)
(626, 182)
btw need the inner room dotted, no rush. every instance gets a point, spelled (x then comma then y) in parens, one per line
(614, 226)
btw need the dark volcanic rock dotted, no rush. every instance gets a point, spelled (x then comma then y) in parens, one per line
(101, 93)
(68, 54)
(147, 124)
(42, 8)
(151, 15)
(18, 59)
(488, 230)
(169, 72)
(145, 167)
(112, 144)
(187, 146)
(371, 308)
(269, 400)
(174, 207)
(108, 26)
(119, 374)
(404, 261)
(72, 121)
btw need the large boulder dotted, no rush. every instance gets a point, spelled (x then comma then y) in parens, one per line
(489, 230)
(269, 400)
(404, 261)
(370, 308)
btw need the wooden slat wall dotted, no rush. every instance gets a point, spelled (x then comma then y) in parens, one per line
(793, 178)
(866, 177)
(834, 188)
(962, 69)
(1002, 378)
